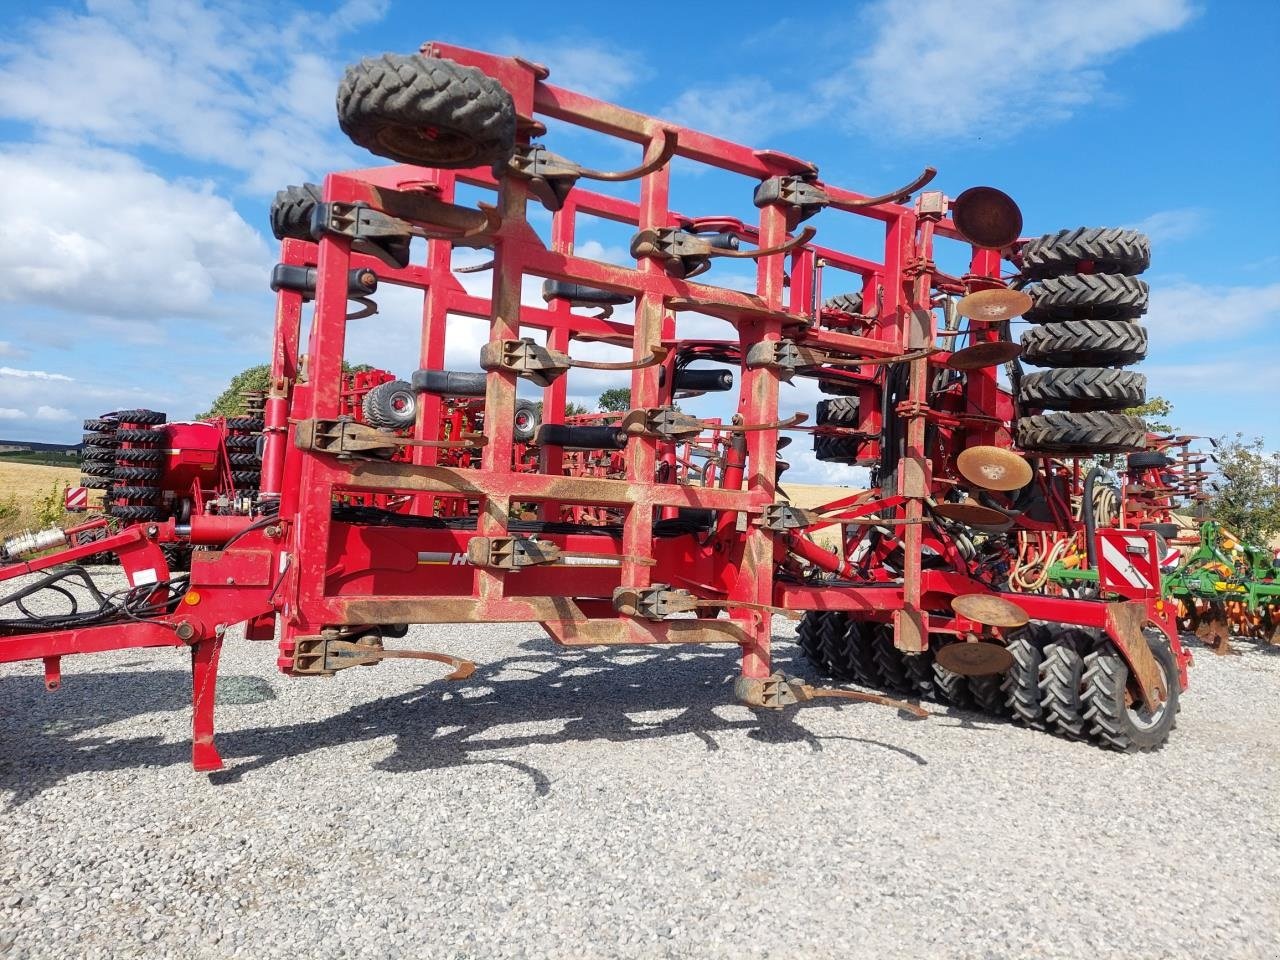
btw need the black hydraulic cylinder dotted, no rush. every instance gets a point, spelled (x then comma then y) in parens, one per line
(449, 383)
(581, 438)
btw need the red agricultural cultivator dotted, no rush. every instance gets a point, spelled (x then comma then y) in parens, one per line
(439, 497)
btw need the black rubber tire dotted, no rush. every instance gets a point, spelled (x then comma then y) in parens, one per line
(98, 453)
(177, 557)
(846, 302)
(143, 418)
(140, 455)
(1108, 249)
(136, 513)
(889, 661)
(245, 478)
(1166, 530)
(392, 405)
(291, 211)
(815, 635)
(244, 460)
(833, 389)
(96, 483)
(99, 439)
(240, 443)
(919, 667)
(1082, 389)
(98, 468)
(988, 694)
(100, 425)
(139, 474)
(1061, 684)
(1146, 460)
(858, 654)
(1085, 343)
(526, 421)
(1080, 434)
(142, 437)
(1021, 683)
(1087, 296)
(836, 449)
(251, 424)
(124, 491)
(838, 412)
(427, 111)
(1111, 722)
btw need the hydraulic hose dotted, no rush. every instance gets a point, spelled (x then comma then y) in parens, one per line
(1086, 514)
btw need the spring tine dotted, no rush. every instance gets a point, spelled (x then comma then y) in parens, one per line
(655, 357)
(807, 234)
(665, 152)
(898, 195)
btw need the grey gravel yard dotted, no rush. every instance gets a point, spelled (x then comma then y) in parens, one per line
(617, 803)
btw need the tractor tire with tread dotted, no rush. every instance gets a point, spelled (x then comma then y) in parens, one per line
(1085, 343)
(1082, 434)
(136, 512)
(1021, 683)
(1147, 460)
(427, 112)
(1087, 296)
(1112, 722)
(892, 671)
(140, 417)
(291, 211)
(1082, 389)
(1061, 680)
(134, 472)
(1107, 249)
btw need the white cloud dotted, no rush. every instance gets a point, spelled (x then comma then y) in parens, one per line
(583, 65)
(1020, 62)
(7, 349)
(743, 109)
(11, 413)
(32, 374)
(96, 233)
(1166, 226)
(248, 89)
(1187, 312)
(45, 412)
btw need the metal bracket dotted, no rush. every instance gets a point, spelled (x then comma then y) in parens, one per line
(787, 357)
(783, 516)
(387, 237)
(655, 602)
(684, 254)
(349, 440)
(510, 553)
(542, 365)
(328, 653)
(666, 422)
(797, 191)
(552, 176)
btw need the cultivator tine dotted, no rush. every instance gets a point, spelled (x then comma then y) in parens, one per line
(897, 196)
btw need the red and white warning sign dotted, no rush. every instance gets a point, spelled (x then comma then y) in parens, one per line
(1127, 562)
(77, 498)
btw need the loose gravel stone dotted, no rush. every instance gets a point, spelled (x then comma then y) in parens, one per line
(616, 803)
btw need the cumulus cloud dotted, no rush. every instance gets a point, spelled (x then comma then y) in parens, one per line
(94, 232)
(244, 87)
(1167, 226)
(582, 64)
(1187, 312)
(32, 374)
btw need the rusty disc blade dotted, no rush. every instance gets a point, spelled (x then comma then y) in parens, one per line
(990, 353)
(970, 512)
(974, 659)
(987, 217)
(993, 306)
(994, 468)
(989, 610)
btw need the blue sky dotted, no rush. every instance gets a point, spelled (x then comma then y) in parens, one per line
(141, 143)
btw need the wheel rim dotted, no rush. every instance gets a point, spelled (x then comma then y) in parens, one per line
(432, 145)
(523, 420)
(1146, 719)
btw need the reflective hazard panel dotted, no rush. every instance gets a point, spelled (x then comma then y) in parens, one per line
(1128, 563)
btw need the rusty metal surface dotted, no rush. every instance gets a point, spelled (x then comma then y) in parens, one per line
(993, 468)
(994, 306)
(980, 659)
(990, 353)
(990, 610)
(987, 217)
(970, 512)
(1125, 621)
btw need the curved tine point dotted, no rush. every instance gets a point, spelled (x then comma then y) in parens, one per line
(799, 241)
(475, 267)
(665, 152)
(900, 194)
(492, 221)
(367, 309)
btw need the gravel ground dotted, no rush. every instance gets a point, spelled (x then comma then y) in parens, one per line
(589, 804)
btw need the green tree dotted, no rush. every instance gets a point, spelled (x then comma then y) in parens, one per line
(617, 400)
(1156, 413)
(1247, 496)
(255, 379)
(230, 402)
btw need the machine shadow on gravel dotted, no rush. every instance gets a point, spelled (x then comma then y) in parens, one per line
(436, 727)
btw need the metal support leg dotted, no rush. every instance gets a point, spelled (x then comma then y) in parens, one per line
(204, 684)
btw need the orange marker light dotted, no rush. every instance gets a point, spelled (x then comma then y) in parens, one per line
(191, 597)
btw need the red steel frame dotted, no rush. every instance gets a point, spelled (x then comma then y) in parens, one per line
(300, 574)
